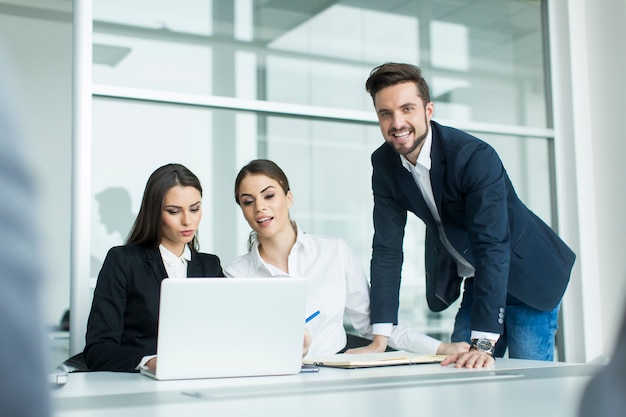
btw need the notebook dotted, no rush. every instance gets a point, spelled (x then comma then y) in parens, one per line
(230, 327)
(369, 360)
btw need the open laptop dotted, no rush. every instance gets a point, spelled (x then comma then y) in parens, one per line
(230, 327)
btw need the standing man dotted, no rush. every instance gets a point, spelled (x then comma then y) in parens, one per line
(514, 267)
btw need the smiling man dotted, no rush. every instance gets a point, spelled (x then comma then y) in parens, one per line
(513, 267)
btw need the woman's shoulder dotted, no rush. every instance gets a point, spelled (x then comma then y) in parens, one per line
(128, 250)
(207, 257)
(238, 266)
(325, 243)
(127, 256)
(323, 239)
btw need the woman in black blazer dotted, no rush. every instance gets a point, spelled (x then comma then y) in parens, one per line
(122, 325)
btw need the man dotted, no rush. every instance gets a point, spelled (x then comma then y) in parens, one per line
(604, 394)
(23, 386)
(515, 268)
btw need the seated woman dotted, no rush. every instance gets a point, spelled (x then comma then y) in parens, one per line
(337, 284)
(122, 325)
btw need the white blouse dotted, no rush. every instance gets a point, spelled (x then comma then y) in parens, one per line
(175, 266)
(337, 286)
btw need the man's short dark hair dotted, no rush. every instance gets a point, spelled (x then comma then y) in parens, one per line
(392, 73)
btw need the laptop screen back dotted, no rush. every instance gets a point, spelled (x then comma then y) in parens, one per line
(228, 327)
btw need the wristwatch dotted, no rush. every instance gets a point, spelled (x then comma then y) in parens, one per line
(483, 345)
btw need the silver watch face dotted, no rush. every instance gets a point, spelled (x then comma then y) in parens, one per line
(483, 345)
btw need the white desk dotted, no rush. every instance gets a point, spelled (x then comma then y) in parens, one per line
(512, 388)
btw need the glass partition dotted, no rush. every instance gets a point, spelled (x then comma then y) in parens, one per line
(483, 61)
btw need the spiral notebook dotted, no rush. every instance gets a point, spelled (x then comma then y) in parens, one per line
(230, 327)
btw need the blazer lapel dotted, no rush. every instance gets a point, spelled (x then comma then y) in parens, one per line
(194, 267)
(413, 194)
(437, 159)
(153, 257)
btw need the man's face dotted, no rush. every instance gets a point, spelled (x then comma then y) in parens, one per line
(403, 118)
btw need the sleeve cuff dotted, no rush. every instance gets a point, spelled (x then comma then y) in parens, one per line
(486, 335)
(382, 329)
(142, 364)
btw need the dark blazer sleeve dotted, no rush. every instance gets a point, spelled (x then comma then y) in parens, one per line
(387, 255)
(512, 250)
(123, 322)
(475, 215)
(204, 265)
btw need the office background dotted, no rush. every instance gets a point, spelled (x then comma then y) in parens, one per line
(110, 90)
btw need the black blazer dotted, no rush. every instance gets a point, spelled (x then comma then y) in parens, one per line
(123, 322)
(513, 251)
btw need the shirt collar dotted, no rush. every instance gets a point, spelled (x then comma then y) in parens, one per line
(174, 260)
(423, 158)
(256, 262)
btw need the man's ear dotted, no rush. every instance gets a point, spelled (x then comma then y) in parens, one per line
(429, 109)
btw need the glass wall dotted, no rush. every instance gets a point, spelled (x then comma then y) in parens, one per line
(213, 84)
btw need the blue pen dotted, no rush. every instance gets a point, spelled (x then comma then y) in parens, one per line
(311, 317)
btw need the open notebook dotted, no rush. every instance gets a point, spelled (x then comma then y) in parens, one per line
(368, 360)
(229, 327)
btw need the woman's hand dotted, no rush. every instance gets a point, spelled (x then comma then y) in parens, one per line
(307, 343)
(379, 344)
(152, 364)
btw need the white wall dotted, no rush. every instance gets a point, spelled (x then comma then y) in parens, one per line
(607, 69)
(589, 63)
(40, 54)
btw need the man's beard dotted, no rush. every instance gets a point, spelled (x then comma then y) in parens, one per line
(417, 143)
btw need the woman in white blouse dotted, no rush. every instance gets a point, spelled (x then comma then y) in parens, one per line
(337, 284)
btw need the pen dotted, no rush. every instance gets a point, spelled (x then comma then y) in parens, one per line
(312, 316)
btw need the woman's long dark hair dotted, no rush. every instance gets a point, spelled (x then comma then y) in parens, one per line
(146, 230)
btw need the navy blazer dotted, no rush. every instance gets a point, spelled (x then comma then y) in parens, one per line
(513, 251)
(123, 322)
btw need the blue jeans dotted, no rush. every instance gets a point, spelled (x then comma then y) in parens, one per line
(528, 332)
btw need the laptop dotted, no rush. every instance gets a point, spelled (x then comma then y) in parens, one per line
(230, 327)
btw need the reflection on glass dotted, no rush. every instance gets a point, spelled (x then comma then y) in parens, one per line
(188, 16)
(484, 60)
(113, 219)
(129, 141)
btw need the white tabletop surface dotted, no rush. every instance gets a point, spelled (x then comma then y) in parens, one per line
(511, 388)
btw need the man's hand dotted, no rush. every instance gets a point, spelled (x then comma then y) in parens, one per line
(379, 344)
(452, 348)
(470, 359)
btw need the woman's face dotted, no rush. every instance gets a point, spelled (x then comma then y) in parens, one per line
(180, 217)
(264, 204)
